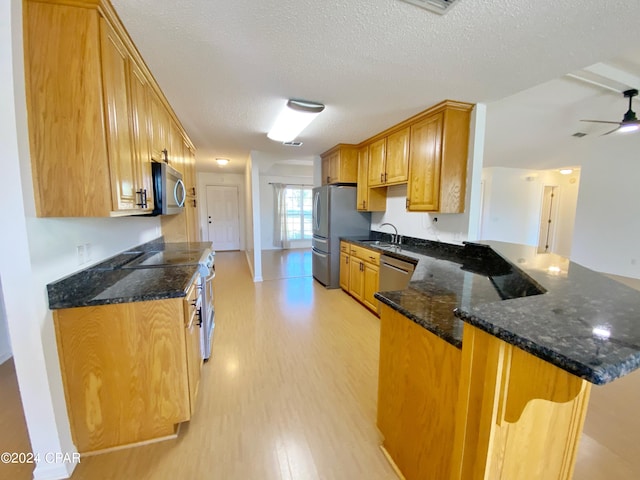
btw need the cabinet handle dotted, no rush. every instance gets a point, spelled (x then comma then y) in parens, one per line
(193, 192)
(382, 178)
(328, 179)
(361, 267)
(165, 155)
(194, 203)
(143, 197)
(407, 203)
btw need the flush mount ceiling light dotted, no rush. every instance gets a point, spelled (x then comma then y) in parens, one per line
(437, 6)
(294, 117)
(566, 171)
(222, 161)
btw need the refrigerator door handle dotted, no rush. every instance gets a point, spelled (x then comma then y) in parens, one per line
(319, 253)
(316, 199)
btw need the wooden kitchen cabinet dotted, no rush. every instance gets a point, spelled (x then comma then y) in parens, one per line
(139, 88)
(88, 138)
(438, 160)
(130, 370)
(377, 158)
(397, 161)
(368, 199)
(389, 159)
(340, 164)
(193, 323)
(344, 266)
(360, 273)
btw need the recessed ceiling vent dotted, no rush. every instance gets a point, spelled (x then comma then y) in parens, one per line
(579, 134)
(437, 6)
(292, 144)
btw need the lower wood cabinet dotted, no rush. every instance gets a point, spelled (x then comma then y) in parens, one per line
(130, 371)
(360, 273)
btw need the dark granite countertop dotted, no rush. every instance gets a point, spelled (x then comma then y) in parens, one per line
(570, 316)
(110, 281)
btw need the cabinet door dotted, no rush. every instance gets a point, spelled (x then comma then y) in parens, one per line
(368, 199)
(159, 129)
(362, 185)
(326, 170)
(344, 271)
(356, 278)
(142, 142)
(423, 191)
(371, 281)
(191, 211)
(397, 162)
(115, 61)
(377, 157)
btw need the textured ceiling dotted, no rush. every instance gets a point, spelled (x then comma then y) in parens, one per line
(227, 67)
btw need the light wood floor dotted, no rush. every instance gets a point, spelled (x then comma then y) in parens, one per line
(290, 393)
(277, 264)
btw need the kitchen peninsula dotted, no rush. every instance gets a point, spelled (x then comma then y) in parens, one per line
(487, 359)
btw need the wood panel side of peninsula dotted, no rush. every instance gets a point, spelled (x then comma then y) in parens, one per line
(488, 411)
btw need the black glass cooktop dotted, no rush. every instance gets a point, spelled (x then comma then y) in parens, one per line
(165, 258)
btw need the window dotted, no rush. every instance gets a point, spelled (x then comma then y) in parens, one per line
(298, 212)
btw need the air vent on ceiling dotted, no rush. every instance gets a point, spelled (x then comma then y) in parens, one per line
(437, 6)
(292, 144)
(579, 134)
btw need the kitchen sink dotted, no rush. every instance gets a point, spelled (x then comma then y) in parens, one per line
(378, 243)
(383, 245)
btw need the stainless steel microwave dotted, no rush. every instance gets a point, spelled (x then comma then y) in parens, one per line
(169, 193)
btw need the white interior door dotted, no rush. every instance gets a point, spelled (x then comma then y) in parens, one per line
(223, 221)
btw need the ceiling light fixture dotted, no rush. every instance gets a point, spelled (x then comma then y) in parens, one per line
(437, 6)
(294, 117)
(222, 161)
(566, 171)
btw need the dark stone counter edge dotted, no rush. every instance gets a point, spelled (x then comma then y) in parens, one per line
(419, 320)
(116, 300)
(595, 375)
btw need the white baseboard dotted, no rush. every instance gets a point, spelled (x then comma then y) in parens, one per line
(4, 356)
(53, 471)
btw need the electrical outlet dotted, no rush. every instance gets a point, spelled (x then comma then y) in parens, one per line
(81, 254)
(87, 252)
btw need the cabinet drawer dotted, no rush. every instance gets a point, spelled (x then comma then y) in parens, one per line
(190, 303)
(344, 247)
(365, 254)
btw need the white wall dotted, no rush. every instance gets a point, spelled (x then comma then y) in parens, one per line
(607, 226)
(287, 174)
(34, 252)
(512, 206)
(450, 228)
(205, 179)
(5, 342)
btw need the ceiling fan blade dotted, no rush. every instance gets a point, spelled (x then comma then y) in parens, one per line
(600, 121)
(614, 130)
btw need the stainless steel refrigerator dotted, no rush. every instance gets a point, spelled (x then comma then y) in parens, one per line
(334, 216)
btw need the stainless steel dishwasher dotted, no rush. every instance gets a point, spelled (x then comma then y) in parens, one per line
(394, 273)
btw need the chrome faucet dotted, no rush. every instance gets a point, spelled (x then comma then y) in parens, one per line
(394, 237)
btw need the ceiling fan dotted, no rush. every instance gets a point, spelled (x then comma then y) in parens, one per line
(629, 122)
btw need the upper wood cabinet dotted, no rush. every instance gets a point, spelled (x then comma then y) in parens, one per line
(377, 160)
(340, 164)
(368, 199)
(438, 160)
(397, 164)
(92, 109)
(139, 88)
(389, 159)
